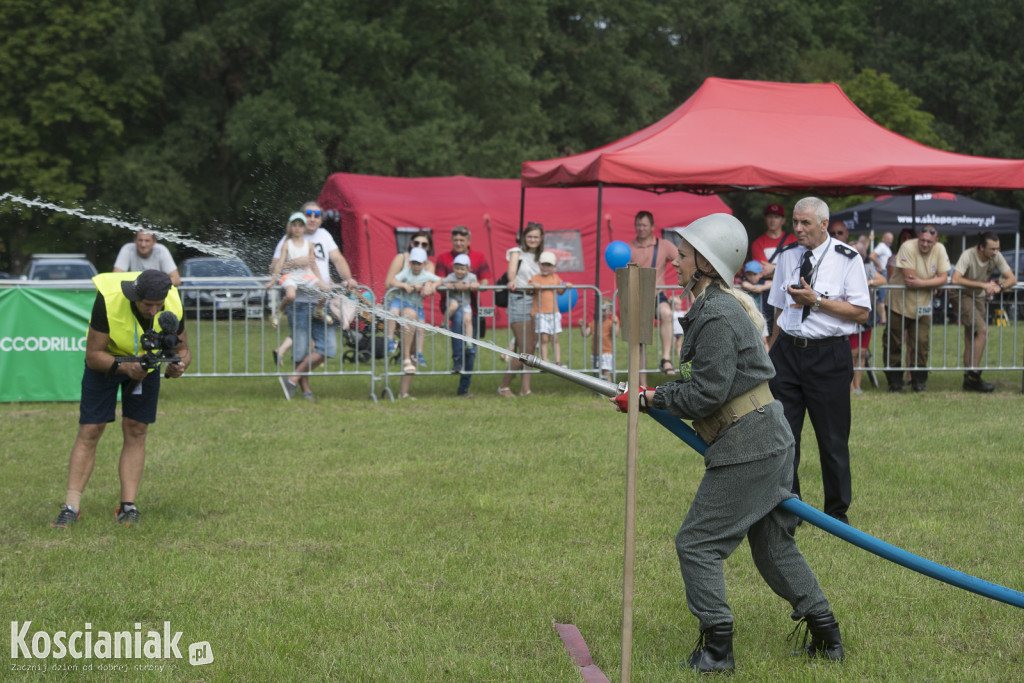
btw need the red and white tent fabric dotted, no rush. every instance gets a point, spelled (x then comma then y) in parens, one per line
(773, 137)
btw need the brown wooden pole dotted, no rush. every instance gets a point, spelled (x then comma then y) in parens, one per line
(633, 422)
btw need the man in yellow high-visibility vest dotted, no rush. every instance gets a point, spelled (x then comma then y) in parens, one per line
(127, 307)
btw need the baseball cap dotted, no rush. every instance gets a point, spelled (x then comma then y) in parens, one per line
(461, 260)
(151, 285)
(548, 257)
(297, 216)
(752, 267)
(418, 255)
(775, 208)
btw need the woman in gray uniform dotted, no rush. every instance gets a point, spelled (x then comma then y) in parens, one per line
(723, 388)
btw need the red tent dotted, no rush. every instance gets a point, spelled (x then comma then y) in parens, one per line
(773, 137)
(379, 213)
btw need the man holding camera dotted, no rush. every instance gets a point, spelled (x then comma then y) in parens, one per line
(128, 322)
(820, 295)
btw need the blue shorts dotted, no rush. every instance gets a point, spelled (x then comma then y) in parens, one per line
(397, 305)
(99, 398)
(324, 337)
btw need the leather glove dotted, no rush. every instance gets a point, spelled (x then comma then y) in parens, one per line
(622, 400)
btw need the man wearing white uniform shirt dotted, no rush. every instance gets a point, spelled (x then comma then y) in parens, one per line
(820, 296)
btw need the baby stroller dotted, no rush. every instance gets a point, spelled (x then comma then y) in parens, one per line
(364, 340)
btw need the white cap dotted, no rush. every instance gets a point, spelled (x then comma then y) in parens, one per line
(297, 216)
(548, 257)
(418, 255)
(461, 260)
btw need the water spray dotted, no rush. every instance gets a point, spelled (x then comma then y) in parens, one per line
(164, 234)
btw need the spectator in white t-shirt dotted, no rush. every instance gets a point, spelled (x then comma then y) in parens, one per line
(880, 256)
(313, 341)
(145, 254)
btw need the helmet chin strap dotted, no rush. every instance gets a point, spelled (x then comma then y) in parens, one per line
(698, 275)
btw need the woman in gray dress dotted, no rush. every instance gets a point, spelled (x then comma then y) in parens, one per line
(723, 388)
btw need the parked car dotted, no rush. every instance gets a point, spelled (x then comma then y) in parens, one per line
(212, 285)
(59, 267)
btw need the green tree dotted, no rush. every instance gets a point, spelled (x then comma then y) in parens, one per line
(62, 112)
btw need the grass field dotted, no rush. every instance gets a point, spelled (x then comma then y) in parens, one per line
(438, 540)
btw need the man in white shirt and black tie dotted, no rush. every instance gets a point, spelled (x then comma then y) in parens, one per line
(820, 295)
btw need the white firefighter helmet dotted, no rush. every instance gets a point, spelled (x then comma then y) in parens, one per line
(721, 239)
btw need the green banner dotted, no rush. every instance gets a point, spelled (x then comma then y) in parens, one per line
(42, 342)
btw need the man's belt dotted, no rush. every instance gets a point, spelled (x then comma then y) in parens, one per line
(804, 342)
(711, 426)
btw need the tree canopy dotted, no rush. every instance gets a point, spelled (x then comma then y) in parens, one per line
(216, 117)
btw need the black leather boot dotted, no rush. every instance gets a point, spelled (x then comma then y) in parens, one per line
(895, 380)
(973, 382)
(713, 651)
(823, 630)
(918, 380)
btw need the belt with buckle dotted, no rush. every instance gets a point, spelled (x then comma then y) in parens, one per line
(804, 342)
(709, 428)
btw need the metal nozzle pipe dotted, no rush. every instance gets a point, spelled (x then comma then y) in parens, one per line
(601, 386)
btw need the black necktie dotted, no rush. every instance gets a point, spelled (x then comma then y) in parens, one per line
(805, 275)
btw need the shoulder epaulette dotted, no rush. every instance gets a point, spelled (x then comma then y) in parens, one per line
(848, 252)
(790, 245)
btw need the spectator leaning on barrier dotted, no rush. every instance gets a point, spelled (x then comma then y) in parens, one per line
(881, 255)
(463, 357)
(145, 254)
(973, 270)
(126, 306)
(313, 343)
(921, 266)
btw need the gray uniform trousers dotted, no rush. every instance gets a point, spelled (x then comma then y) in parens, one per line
(722, 513)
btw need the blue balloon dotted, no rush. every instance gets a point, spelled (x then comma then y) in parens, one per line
(567, 299)
(617, 254)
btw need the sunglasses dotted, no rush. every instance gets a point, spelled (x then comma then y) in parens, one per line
(930, 231)
(314, 213)
(421, 243)
(460, 232)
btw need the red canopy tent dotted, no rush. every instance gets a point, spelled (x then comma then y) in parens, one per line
(773, 137)
(379, 213)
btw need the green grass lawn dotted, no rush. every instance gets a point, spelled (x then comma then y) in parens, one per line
(438, 540)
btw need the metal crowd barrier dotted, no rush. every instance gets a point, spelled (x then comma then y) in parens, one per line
(233, 340)
(230, 335)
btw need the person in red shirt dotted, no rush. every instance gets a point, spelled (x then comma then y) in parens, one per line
(765, 248)
(463, 357)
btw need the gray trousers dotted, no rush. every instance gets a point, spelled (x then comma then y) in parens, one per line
(731, 503)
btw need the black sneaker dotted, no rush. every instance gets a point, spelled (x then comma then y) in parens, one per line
(127, 517)
(973, 382)
(66, 518)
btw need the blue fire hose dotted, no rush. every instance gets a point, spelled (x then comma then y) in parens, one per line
(857, 537)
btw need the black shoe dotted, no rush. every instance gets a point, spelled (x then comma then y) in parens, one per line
(973, 382)
(894, 378)
(823, 630)
(127, 517)
(66, 518)
(713, 651)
